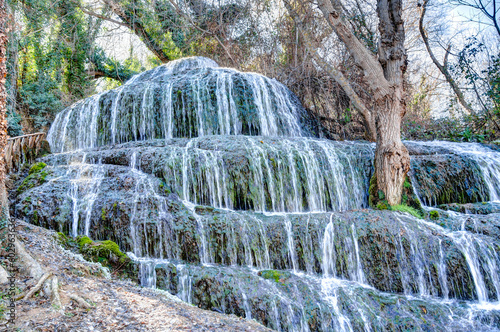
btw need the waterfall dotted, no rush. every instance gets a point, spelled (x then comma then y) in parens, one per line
(270, 175)
(87, 180)
(190, 98)
(485, 159)
(218, 186)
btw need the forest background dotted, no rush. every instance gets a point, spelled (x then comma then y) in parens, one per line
(62, 51)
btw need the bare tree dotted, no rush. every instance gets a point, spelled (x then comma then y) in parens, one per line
(443, 68)
(487, 9)
(383, 74)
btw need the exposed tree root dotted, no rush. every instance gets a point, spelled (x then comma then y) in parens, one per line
(35, 289)
(28, 265)
(80, 301)
(4, 276)
(56, 299)
(47, 281)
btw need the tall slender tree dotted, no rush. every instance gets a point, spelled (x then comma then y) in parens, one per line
(383, 73)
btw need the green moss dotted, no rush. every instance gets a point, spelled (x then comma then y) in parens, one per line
(382, 206)
(277, 276)
(35, 217)
(83, 240)
(381, 195)
(37, 168)
(110, 246)
(62, 239)
(105, 252)
(372, 191)
(103, 214)
(61, 236)
(434, 215)
(405, 208)
(36, 177)
(65, 241)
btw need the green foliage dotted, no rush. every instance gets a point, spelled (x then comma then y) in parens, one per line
(37, 167)
(382, 205)
(36, 177)
(41, 100)
(408, 209)
(434, 215)
(14, 124)
(493, 76)
(51, 51)
(277, 276)
(114, 71)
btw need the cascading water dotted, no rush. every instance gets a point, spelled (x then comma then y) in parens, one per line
(271, 227)
(190, 98)
(477, 178)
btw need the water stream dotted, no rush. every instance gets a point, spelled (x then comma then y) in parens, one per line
(218, 186)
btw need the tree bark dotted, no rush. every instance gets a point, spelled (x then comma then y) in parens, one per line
(392, 160)
(384, 75)
(4, 203)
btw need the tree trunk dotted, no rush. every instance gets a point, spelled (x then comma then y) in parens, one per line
(392, 161)
(4, 203)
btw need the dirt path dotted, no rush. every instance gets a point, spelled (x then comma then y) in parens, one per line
(116, 305)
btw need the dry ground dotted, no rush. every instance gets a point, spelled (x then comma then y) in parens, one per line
(116, 305)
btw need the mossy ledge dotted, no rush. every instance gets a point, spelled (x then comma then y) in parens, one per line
(277, 276)
(36, 176)
(104, 252)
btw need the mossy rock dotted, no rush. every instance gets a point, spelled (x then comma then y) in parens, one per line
(408, 209)
(83, 240)
(105, 252)
(100, 251)
(277, 276)
(434, 215)
(36, 176)
(37, 167)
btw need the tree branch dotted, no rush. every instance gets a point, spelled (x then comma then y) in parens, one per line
(442, 68)
(132, 23)
(335, 74)
(372, 69)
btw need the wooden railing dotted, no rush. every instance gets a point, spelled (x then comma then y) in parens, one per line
(22, 149)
